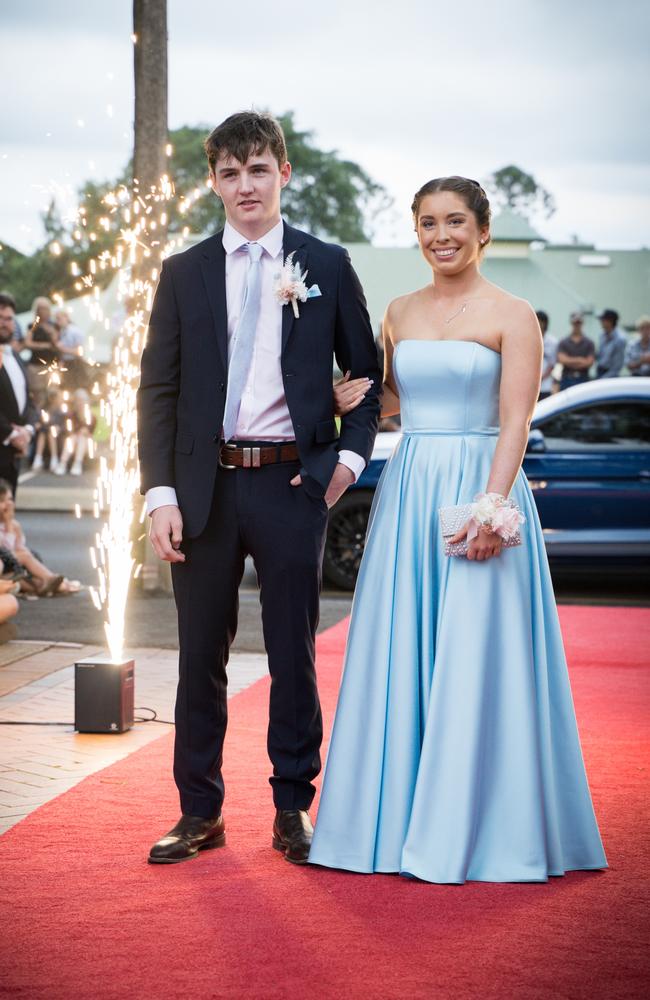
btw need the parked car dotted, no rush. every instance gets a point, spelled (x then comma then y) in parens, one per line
(588, 465)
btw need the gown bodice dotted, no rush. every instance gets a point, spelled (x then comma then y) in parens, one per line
(447, 386)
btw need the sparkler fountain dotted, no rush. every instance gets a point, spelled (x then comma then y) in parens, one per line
(136, 260)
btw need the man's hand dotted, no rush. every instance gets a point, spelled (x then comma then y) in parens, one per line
(166, 533)
(342, 478)
(20, 438)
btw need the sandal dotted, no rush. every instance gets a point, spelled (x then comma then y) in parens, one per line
(51, 587)
(30, 587)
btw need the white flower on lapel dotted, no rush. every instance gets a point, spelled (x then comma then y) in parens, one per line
(289, 285)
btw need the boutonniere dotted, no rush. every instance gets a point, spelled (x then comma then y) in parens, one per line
(290, 286)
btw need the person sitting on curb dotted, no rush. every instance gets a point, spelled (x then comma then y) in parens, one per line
(8, 608)
(40, 580)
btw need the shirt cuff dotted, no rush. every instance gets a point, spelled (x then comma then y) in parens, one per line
(355, 463)
(160, 496)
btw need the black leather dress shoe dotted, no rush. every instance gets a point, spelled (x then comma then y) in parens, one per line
(292, 833)
(190, 835)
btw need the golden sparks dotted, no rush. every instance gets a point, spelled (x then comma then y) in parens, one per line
(135, 259)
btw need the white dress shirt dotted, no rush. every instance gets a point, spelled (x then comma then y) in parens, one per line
(16, 376)
(263, 413)
(18, 383)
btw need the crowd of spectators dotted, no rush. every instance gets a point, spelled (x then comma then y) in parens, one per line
(45, 417)
(52, 347)
(576, 358)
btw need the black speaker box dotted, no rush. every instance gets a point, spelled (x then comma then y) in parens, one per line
(103, 695)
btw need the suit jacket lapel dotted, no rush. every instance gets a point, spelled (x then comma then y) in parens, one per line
(213, 270)
(293, 242)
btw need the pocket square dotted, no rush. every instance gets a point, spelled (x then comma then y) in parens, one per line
(313, 292)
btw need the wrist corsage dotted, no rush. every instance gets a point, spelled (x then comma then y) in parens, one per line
(495, 513)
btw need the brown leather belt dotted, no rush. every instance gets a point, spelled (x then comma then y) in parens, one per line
(235, 456)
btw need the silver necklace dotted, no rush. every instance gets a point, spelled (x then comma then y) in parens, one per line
(458, 312)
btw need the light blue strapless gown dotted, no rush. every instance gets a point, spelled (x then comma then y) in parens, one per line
(455, 751)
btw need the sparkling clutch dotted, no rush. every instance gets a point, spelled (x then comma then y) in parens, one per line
(452, 519)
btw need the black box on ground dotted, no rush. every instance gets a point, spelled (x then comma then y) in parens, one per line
(103, 695)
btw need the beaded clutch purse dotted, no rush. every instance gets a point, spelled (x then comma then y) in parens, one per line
(452, 519)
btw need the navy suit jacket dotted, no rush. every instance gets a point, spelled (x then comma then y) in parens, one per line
(182, 391)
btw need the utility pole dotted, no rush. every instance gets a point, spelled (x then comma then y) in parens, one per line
(150, 74)
(149, 164)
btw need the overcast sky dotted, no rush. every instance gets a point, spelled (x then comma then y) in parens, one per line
(411, 89)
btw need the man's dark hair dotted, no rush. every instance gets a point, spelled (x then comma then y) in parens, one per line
(610, 315)
(245, 134)
(6, 299)
(542, 316)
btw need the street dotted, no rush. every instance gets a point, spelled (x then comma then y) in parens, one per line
(63, 541)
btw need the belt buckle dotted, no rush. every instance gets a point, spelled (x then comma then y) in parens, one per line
(251, 458)
(222, 465)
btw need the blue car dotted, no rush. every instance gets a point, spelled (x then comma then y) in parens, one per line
(588, 464)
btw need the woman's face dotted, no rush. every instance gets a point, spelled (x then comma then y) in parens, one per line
(448, 233)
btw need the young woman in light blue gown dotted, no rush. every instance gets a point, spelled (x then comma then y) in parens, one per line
(455, 752)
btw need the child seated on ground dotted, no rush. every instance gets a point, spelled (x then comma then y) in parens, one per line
(38, 579)
(8, 607)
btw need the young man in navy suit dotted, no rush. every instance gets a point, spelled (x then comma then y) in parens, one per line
(240, 454)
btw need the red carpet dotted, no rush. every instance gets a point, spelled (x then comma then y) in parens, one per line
(84, 916)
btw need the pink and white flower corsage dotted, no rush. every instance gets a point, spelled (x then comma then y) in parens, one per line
(496, 513)
(289, 285)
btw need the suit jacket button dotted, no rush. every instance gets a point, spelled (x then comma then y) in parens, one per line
(217, 438)
(222, 386)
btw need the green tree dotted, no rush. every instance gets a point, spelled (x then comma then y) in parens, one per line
(44, 271)
(329, 196)
(512, 187)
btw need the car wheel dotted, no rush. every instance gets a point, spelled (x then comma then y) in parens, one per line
(346, 536)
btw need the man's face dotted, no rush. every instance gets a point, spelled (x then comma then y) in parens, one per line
(607, 325)
(7, 317)
(250, 191)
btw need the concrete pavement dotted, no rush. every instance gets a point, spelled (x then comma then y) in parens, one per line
(40, 761)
